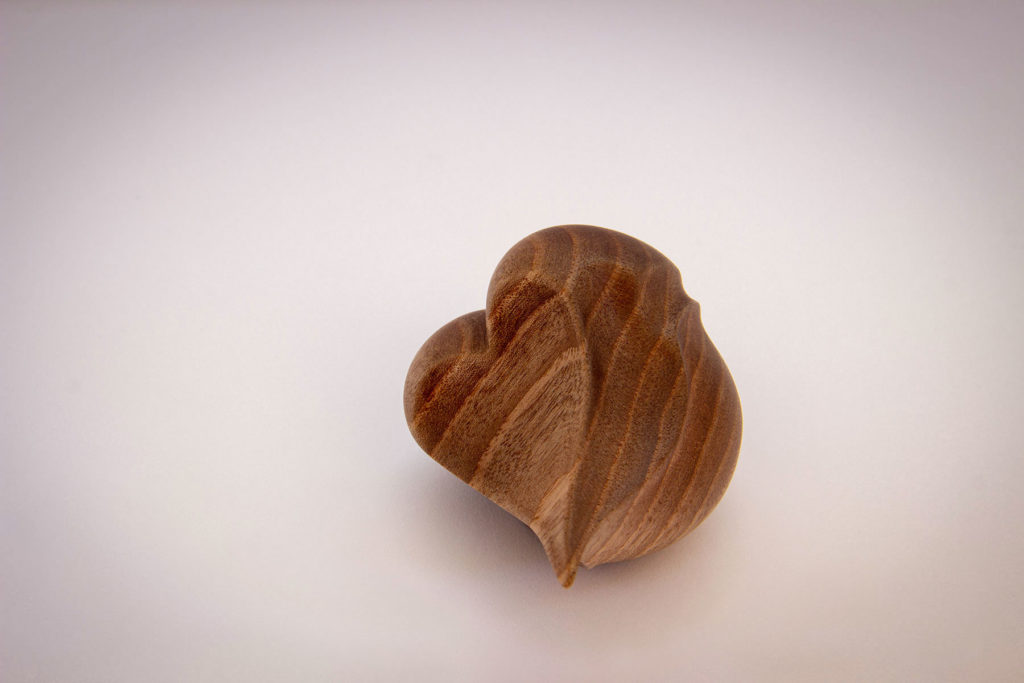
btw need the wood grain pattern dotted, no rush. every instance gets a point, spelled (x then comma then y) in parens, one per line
(586, 399)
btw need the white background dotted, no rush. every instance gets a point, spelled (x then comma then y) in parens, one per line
(225, 229)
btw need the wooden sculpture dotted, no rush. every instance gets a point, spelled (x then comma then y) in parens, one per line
(586, 399)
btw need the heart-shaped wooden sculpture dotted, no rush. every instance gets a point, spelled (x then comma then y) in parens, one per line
(586, 399)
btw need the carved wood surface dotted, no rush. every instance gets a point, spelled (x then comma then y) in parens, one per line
(586, 399)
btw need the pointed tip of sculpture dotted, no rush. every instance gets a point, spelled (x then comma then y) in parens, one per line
(567, 573)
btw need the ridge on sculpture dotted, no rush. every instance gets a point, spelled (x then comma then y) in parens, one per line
(586, 399)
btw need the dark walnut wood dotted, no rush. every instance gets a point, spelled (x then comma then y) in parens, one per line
(586, 399)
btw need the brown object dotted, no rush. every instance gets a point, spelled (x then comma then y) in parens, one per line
(586, 400)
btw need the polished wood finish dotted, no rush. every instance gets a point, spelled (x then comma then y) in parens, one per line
(586, 399)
